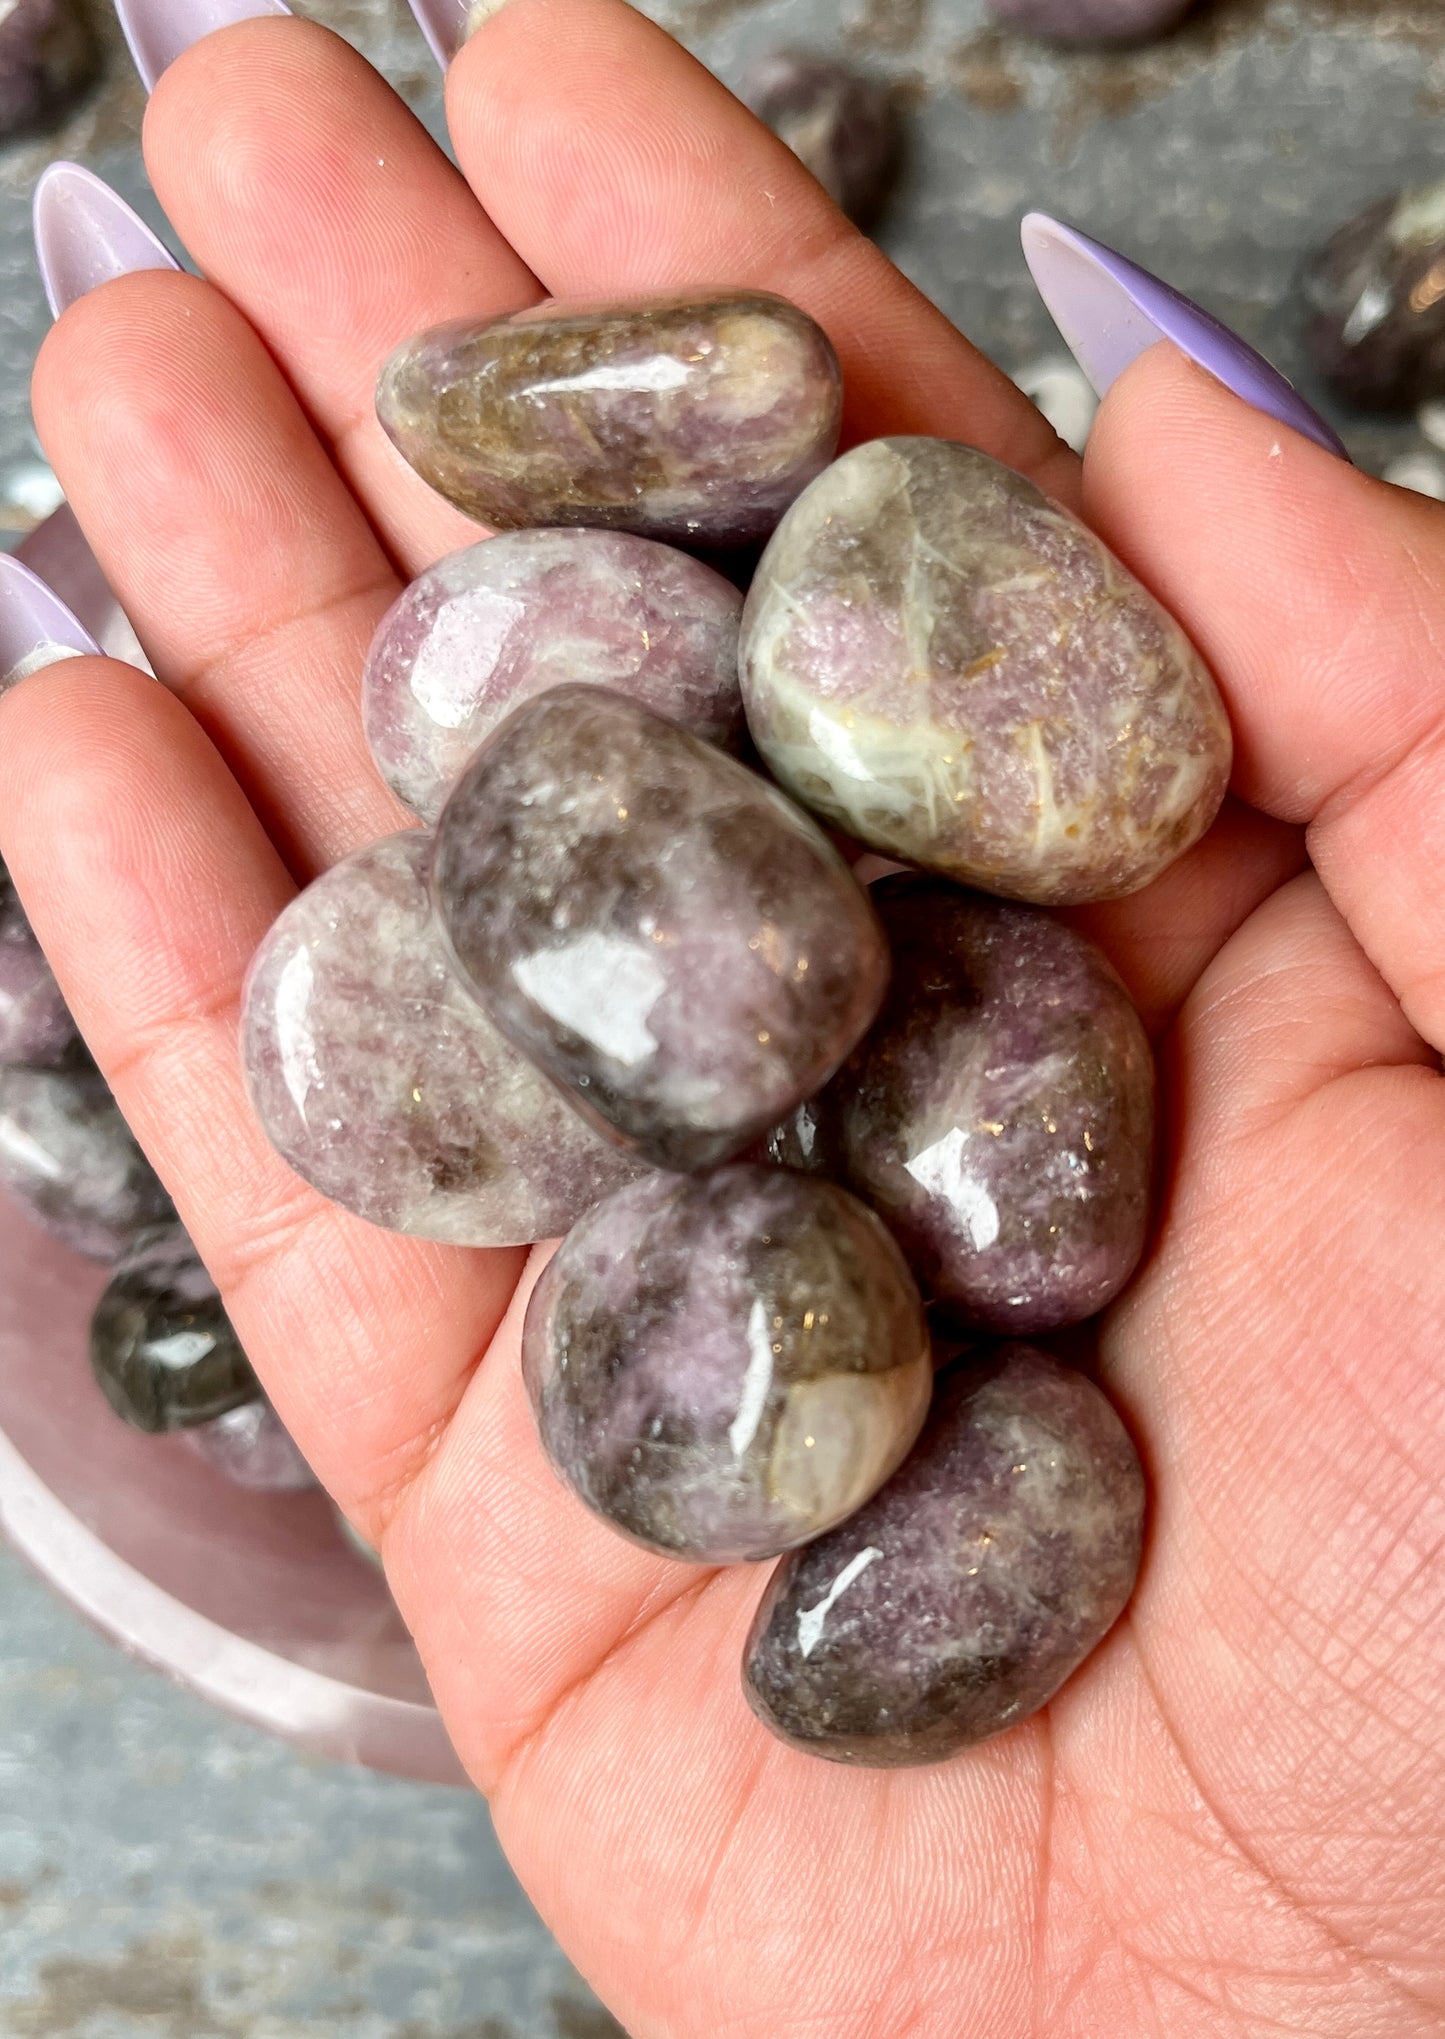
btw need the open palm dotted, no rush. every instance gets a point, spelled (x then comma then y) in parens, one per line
(1234, 1820)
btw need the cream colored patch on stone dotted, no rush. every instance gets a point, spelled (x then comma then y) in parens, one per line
(838, 1438)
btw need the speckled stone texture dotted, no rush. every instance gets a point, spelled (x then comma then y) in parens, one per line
(253, 1448)
(725, 1365)
(379, 1079)
(71, 1160)
(841, 125)
(696, 419)
(999, 1114)
(1375, 296)
(653, 924)
(161, 1345)
(949, 667)
(1091, 21)
(48, 57)
(506, 619)
(957, 1602)
(36, 1030)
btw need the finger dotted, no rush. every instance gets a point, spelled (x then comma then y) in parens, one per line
(614, 163)
(150, 884)
(309, 194)
(252, 578)
(1318, 596)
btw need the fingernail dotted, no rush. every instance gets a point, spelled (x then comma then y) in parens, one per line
(86, 234)
(447, 24)
(1110, 311)
(36, 628)
(159, 31)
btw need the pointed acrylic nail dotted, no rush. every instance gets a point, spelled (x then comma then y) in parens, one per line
(36, 628)
(85, 234)
(1110, 311)
(447, 24)
(159, 31)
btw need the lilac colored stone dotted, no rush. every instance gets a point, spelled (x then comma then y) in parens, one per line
(161, 1345)
(957, 1602)
(841, 125)
(72, 1161)
(1376, 300)
(658, 928)
(955, 671)
(379, 1079)
(36, 1029)
(48, 58)
(725, 1365)
(696, 419)
(999, 1114)
(1091, 21)
(508, 618)
(253, 1448)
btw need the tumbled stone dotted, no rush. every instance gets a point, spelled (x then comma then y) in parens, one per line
(1375, 294)
(952, 669)
(253, 1448)
(379, 1079)
(48, 58)
(71, 1160)
(957, 1602)
(506, 619)
(161, 1345)
(691, 418)
(841, 125)
(999, 1114)
(1091, 21)
(36, 1029)
(725, 1365)
(653, 924)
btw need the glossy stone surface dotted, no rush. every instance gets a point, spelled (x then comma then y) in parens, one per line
(1375, 296)
(726, 1365)
(253, 1448)
(696, 419)
(999, 1115)
(36, 1029)
(1091, 21)
(506, 619)
(841, 125)
(957, 1602)
(949, 667)
(161, 1345)
(48, 57)
(654, 925)
(71, 1160)
(380, 1080)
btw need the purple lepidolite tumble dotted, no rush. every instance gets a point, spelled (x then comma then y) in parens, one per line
(1000, 1113)
(660, 930)
(1376, 300)
(506, 619)
(725, 1365)
(696, 419)
(957, 1602)
(36, 1029)
(841, 125)
(1091, 21)
(48, 58)
(954, 670)
(379, 1079)
(72, 1161)
(253, 1449)
(161, 1345)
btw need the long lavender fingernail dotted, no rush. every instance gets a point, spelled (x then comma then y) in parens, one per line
(1110, 311)
(36, 628)
(447, 24)
(159, 31)
(86, 234)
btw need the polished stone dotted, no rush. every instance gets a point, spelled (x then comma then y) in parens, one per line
(957, 1602)
(952, 669)
(841, 124)
(48, 58)
(379, 1079)
(36, 1030)
(725, 1365)
(506, 619)
(657, 927)
(253, 1448)
(696, 419)
(161, 1345)
(1375, 296)
(999, 1114)
(1091, 21)
(73, 1163)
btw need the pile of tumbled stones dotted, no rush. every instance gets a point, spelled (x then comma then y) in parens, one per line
(801, 1134)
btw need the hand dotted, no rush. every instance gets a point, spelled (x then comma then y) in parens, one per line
(1233, 1822)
